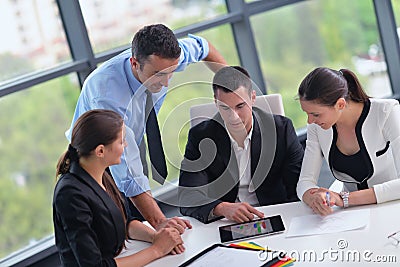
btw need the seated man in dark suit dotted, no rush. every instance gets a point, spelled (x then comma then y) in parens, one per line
(241, 158)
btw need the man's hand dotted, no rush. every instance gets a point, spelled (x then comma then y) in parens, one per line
(238, 212)
(175, 222)
(153, 214)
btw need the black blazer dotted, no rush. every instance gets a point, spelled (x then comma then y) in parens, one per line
(89, 227)
(209, 172)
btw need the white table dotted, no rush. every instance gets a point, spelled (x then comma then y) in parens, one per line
(365, 247)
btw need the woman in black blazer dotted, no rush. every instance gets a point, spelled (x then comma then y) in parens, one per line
(88, 212)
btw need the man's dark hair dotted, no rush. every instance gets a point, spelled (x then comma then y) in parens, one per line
(230, 78)
(157, 40)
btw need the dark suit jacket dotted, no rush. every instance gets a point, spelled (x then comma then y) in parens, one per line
(89, 227)
(209, 172)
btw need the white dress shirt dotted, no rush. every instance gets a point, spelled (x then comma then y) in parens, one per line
(243, 157)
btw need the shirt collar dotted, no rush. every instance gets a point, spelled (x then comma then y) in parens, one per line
(134, 83)
(139, 89)
(246, 140)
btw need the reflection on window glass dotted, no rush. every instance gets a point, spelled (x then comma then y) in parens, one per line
(187, 88)
(32, 138)
(113, 23)
(33, 40)
(319, 33)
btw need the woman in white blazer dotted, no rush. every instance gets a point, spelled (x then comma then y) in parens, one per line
(358, 136)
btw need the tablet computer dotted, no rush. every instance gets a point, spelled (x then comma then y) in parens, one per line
(254, 228)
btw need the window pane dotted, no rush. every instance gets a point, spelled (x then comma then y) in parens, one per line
(32, 138)
(113, 23)
(187, 88)
(396, 11)
(34, 38)
(186, 12)
(319, 33)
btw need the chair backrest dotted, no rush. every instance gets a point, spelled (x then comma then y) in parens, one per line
(270, 103)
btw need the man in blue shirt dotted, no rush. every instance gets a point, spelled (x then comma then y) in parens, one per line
(120, 84)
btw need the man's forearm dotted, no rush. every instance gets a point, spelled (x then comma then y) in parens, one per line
(149, 208)
(214, 59)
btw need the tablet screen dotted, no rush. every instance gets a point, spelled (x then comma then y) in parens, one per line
(264, 226)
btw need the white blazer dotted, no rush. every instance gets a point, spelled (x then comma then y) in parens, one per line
(381, 126)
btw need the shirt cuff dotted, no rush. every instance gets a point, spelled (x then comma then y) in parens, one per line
(204, 44)
(211, 215)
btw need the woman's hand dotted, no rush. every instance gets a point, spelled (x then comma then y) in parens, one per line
(315, 198)
(168, 240)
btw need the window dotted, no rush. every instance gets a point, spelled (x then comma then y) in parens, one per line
(33, 41)
(32, 138)
(117, 28)
(396, 10)
(319, 33)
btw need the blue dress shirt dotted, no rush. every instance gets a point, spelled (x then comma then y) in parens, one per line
(113, 86)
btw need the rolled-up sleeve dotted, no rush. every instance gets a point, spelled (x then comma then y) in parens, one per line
(194, 49)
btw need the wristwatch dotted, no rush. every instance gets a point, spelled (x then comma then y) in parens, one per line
(345, 197)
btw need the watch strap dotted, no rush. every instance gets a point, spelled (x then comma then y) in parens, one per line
(345, 198)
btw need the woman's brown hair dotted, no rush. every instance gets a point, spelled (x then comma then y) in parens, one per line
(326, 86)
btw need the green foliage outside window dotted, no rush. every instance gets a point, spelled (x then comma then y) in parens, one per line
(32, 138)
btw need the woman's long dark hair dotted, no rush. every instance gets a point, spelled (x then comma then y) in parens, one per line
(93, 128)
(326, 86)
